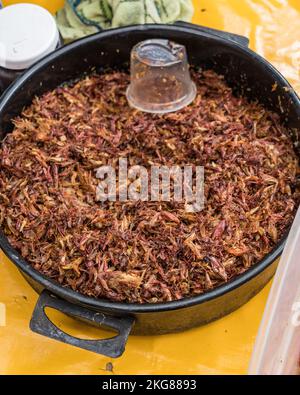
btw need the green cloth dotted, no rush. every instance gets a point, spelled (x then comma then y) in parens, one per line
(80, 18)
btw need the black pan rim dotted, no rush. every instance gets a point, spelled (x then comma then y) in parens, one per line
(122, 307)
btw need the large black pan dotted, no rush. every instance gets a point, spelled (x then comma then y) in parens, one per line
(248, 74)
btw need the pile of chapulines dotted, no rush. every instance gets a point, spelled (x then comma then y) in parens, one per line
(145, 252)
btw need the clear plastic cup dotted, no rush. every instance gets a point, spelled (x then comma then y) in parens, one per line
(160, 77)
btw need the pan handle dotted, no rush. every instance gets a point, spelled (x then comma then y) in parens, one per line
(244, 41)
(111, 347)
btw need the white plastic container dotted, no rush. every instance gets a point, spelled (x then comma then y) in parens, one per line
(27, 33)
(277, 347)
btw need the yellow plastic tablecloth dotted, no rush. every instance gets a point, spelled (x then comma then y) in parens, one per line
(223, 347)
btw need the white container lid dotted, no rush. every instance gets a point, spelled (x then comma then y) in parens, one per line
(27, 33)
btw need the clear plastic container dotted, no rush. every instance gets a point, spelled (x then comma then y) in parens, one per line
(277, 347)
(160, 77)
(27, 33)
